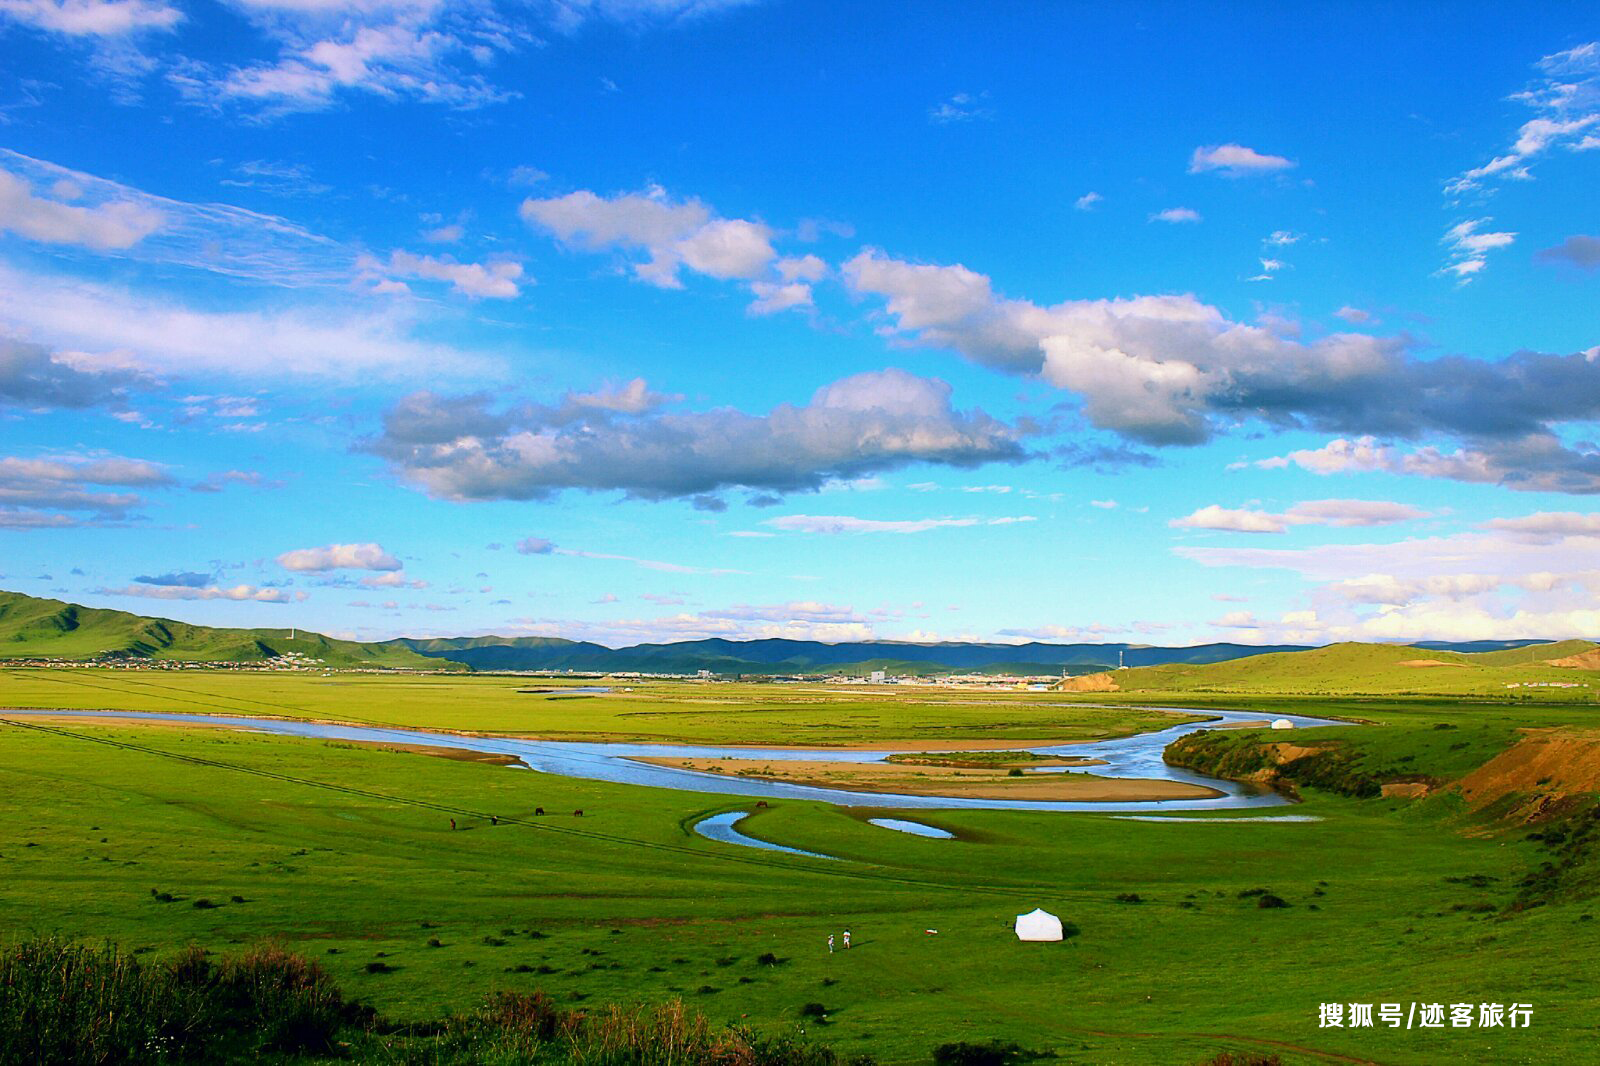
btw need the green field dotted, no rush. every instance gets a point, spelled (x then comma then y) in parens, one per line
(344, 853)
(1519, 675)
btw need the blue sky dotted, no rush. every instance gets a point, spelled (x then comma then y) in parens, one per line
(651, 319)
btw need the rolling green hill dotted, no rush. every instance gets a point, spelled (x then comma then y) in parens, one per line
(33, 628)
(1367, 669)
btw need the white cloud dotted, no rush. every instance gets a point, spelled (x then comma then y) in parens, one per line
(1469, 249)
(111, 328)
(248, 593)
(1355, 316)
(1340, 513)
(962, 107)
(1281, 238)
(1087, 201)
(855, 427)
(121, 221)
(1235, 160)
(92, 18)
(113, 225)
(1530, 577)
(671, 235)
(365, 556)
(836, 524)
(495, 281)
(644, 564)
(1176, 214)
(1566, 105)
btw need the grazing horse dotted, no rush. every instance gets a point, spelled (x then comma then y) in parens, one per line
(538, 810)
(578, 813)
(761, 803)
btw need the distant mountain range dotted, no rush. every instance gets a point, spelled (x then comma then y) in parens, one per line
(32, 628)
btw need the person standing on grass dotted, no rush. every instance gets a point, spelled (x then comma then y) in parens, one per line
(830, 943)
(847, 940)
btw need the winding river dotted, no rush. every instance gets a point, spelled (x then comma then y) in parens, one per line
(1136, 756)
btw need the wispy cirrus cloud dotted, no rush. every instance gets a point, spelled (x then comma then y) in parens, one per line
(1565, 99)
(847, 524)
(58, 492)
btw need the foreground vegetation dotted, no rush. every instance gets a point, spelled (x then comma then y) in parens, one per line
(69, 1004)
(1479, 891)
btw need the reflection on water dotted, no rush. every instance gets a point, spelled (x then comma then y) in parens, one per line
(721, 828)
(1136, 756)
(914, 828)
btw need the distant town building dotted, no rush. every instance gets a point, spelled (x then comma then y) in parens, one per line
(880, 677)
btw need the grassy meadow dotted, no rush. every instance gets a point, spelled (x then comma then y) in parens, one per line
(160, 837)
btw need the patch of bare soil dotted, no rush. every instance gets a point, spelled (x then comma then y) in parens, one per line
(1425, 663)
(1547, 762)
(1589, 660)
(1088, 683)
(942, 780)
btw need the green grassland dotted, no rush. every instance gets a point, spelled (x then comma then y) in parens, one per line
(344, 853)
(1377, 670)
(807, 715)
(32, 628)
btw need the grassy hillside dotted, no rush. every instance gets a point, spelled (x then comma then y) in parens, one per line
(33, 628)
(159, 838)
(1370, 669)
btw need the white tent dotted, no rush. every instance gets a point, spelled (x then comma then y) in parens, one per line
(1282, 723)
(1038, 925)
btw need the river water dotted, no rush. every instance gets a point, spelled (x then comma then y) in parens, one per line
(1135, 756)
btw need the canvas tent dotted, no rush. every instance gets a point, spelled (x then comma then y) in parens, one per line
(1038, 925)
(1282, 723)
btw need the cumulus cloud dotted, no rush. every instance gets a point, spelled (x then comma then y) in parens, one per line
(836, 524)
(670, 235)
(33, 376)
(665, 237)
(494, 280)
(1167, 370)
(1087, 201)
(1355, 316)
(1235, 160)
(365, 556)
(1342, 513)
(534, 546)
(1579, 251)
(462, 449)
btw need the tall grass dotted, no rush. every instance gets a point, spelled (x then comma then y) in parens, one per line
(66, 1003)
(63, 1004)
(516, 1027)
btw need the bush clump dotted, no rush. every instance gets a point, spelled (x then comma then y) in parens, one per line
(66, 1003)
